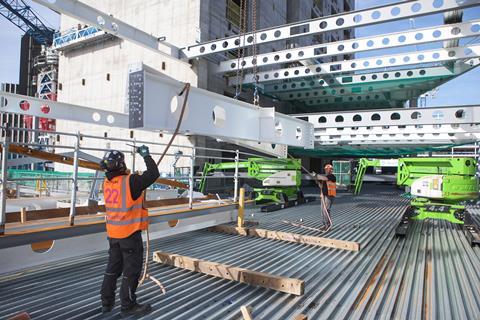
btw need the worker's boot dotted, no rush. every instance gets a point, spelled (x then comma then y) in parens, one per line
(107, 309)
(137, 310)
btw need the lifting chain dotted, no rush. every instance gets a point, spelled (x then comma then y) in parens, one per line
(240, 50)
(254, 53)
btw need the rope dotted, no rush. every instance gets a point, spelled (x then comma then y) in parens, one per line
(145, 275)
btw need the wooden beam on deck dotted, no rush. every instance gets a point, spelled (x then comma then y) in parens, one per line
(220, 270)
(290, 237)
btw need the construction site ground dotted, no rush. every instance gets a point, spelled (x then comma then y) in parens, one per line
(433, 273)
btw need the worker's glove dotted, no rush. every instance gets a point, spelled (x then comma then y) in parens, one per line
(143, 151)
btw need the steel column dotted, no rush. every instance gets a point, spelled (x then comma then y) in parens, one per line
(235, 176)
(191, 179)
(4, 176)
(73, 198)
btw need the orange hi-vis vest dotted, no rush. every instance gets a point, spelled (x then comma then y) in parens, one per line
(123, 215)
(331, 189)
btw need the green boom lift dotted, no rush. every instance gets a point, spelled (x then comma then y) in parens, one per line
(281, 178)
(365, 163)
(439, 189)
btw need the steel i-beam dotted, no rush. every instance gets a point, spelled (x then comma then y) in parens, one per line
(154, 104)
(404, 10)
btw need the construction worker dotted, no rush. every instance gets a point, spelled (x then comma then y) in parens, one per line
(329, 186)
(126, 217)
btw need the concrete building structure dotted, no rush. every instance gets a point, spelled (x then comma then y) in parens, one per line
(94, 73)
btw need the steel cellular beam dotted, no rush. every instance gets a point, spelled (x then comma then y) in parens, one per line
(371, 63)
(354, 19)
(372, 77)
(453, 115)
(384, 41)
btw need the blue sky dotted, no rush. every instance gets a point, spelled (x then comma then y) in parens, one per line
(462, 90)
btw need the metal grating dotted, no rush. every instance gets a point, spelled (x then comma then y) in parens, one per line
(432, 274)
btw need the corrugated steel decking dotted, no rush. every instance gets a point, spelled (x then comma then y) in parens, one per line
(432, 274)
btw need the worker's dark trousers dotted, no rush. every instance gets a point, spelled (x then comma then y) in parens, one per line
(125, 256)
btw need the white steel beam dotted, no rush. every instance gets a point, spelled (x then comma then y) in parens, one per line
(325, 24)
(108, 23)
(413, 139)
(25, 105)
(395, 117)
(154, 104)
(371, 63)
(391, 40)
(360, 89)
(373, 77)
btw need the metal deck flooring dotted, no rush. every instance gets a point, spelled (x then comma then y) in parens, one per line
(432, 274)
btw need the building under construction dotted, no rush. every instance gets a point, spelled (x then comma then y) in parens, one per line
(250, 107)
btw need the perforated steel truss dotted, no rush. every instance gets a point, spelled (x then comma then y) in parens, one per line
(396, 60)
(391, 40)
(336, 22)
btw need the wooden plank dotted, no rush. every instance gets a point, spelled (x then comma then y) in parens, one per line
(48, 156)
(301, 317)
(290, 237)
(219, 270)
(246, 312)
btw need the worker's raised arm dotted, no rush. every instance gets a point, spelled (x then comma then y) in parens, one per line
(140, 182)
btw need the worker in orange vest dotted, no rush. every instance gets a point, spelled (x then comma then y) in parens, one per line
(329, 186)
(126, 217)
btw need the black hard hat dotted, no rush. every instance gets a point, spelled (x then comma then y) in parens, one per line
(113, 161)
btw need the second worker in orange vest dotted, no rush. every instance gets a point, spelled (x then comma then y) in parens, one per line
(329, 186)
(126, 217)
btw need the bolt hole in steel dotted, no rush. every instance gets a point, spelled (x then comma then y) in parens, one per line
(395, 11)
(278, 128)
(299, 133)
(460, 114)
(322, 119)
(416, 7)
(339, 119)
(43, 246)
(475, 28)
(45, 108)
(219, 116)
(110, 119)
(24, 105)
(100, 21)
(416, 115)
(114, 27)
(357, 18)
(376, 117)
(173, 223)
(357, 117)
(437, 33)
(437, 3)
(376, 14)
(96, 116)
(456, 31)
